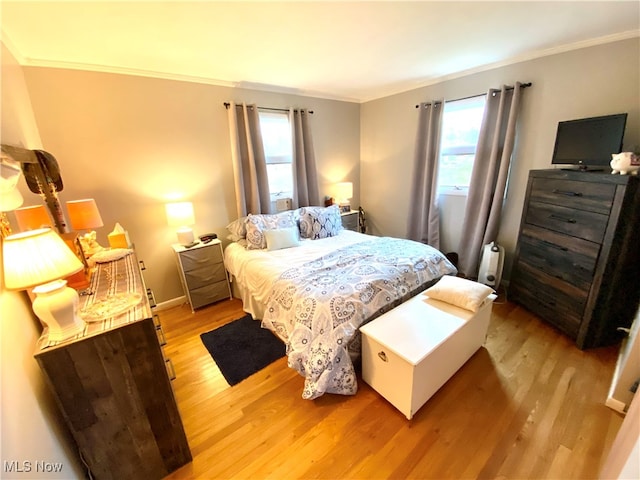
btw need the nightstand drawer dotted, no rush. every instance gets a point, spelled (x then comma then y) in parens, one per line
(192, 259)
(592, 197)
(209, 294)
(202, 276)
(350, 221)
(577, 223)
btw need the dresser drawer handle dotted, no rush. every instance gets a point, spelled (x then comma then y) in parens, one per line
(170, 370)
(567, 193)
(558, 217)
(564, 249)
(383, 356)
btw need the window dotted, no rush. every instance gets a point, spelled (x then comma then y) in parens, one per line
(460, 129)
(278, 150)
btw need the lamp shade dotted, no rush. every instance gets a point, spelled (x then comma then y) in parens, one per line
(180, 214)
(36, 257)
(10, 200)
(84, 214)
(32, 218)
(344, 191)
(10, 197)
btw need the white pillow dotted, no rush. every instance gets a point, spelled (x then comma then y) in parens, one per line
(459, 292)
(280, 238)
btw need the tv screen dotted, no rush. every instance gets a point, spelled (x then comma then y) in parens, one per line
(589, 141)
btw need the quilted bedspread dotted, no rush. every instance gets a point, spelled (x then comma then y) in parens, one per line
(317, 308)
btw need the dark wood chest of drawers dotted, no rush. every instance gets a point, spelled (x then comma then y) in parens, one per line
(576, 263)
(112, 386)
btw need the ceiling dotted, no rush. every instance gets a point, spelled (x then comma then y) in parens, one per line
(354, 51)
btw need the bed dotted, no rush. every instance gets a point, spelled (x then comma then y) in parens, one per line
(313, 284)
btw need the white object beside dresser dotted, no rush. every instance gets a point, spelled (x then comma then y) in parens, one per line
(411, 351)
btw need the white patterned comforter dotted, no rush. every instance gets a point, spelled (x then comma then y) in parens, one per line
(317, 307)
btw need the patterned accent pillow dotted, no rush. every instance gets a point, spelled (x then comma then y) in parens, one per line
(257, 224)
(320, 222)
(237, 229)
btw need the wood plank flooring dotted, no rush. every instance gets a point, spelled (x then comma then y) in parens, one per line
(529, 404)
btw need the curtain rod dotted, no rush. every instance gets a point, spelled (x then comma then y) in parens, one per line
(227, 105)
(523, 85)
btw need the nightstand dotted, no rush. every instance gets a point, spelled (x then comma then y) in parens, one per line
(350, 220)
(202, 273)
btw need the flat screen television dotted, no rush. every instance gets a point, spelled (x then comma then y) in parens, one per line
(589, 142)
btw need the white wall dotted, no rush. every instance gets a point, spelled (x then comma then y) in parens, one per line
(32, 427)
(129, 141)
(592, 81)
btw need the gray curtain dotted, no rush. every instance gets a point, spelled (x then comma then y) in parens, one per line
(424, 220)
(489, 176)
(305, 186)
(249, 166)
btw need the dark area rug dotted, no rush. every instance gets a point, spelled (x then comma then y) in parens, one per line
(242, 348)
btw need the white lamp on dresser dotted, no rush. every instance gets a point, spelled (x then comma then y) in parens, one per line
(41, 259)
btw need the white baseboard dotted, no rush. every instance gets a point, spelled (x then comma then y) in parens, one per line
(616, 405)
(174, 302)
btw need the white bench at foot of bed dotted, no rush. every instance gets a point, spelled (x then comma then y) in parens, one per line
(411, 351)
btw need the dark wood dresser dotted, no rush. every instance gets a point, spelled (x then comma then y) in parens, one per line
(111, 381)
(577, 260)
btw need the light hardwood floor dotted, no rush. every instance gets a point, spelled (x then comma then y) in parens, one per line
(529, 404)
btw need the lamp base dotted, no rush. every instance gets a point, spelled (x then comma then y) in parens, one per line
(56, 305)
(185, 236)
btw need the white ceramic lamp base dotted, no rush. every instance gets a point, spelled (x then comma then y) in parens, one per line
(56, 305)
(185, 235)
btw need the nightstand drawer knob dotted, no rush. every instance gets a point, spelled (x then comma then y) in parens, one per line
(383, 356)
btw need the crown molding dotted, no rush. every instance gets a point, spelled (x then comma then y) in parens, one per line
(592, 42)
(35, 62)
(6, 41)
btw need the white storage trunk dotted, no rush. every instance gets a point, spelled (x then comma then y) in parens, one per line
(411, 351)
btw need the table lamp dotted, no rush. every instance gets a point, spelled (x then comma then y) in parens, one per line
(180, 214)
(344, 193)
(32, 218)
(84, 215)
(40, 259)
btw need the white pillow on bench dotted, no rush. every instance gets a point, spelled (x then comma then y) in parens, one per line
(459, 292)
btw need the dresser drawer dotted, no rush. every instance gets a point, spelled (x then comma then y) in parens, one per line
(567, 258)
(192, 259)
(554, 300)
(202, 276)
(209, 294)
(592, 197)
(576, 223)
